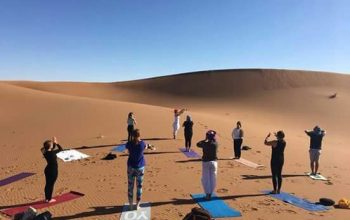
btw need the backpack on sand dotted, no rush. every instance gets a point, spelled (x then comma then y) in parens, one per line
(198, 214)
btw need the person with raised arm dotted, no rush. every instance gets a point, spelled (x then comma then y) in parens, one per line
(49, 150)
(136, 166)
(277, 159)
(316, 137)
(176, 123)
(209, 162)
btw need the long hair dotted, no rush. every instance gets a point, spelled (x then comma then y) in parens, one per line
(135, 135)
(46, 146)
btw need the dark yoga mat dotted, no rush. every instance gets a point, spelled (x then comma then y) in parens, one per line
(15, 178)
(42, 204)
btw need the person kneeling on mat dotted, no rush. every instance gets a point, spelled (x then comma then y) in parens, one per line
(209, 162)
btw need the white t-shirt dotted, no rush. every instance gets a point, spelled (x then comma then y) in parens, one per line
(177, 119)
(236, 133)
(131, 121)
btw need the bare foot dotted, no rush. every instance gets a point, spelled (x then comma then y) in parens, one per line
(137, 205)
(50, 201)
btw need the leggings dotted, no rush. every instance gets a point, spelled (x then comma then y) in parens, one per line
(135, 173)
(130, 129)
(237, 143)
(50, 177)
(188, 139)
(276, 170)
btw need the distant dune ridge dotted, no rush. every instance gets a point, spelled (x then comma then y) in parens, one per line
(265, 100)
(226, 83)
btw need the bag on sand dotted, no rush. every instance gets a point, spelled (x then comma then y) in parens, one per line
(344, 203)
(110, 156)
(29, 214)
(198, 214)
(44, 216)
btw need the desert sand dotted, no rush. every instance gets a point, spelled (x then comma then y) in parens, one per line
(94, 115)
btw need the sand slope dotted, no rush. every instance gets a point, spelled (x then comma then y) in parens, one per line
(264, 100)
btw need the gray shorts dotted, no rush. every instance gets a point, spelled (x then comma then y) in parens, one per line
(314, 155)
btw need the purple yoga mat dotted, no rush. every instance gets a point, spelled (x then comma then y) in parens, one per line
(15, 178)
(191, 154)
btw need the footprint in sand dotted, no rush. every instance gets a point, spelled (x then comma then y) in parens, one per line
(291, 211)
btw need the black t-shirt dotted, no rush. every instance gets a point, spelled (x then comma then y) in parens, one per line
(188, 126)
(51, 157)
(278, 151)
(315, 140)
(210, 149)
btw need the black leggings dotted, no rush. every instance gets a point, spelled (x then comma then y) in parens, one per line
(188, 140)
(130, 129)
(237, 143)
(276, 170)
(50, 177)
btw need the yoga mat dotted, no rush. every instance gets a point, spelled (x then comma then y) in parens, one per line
(15, 178)
(249, 163)
(216, 206)
(143, 213)
(293, 200)
(191, 154)
(316, 177)
(42, 204)
(70, 155)
(120, 148)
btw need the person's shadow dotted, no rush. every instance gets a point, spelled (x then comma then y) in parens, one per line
(97, 211)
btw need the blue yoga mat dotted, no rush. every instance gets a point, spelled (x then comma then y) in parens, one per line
(120, 148)
(301, 203)
(191, 154)
(216, 206)
(15, 178)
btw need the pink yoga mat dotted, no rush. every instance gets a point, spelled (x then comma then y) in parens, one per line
(42, 204)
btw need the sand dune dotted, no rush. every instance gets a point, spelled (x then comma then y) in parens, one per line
(264, 100)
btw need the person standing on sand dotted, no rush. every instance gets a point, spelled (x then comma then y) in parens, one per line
(176, 124)
(209, 162)
(51, 170)
(316, 137)
(136, 166)
(131, 124)
(277, 159)
(237, 136)
(188, 131)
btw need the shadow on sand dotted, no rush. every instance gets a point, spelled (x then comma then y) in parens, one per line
(109, 210)
(154, 139)
(154, 153)
(255, 177)
(94, 147)
(188, 161)
(97, 211)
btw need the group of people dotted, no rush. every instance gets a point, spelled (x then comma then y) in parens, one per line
(136, 162)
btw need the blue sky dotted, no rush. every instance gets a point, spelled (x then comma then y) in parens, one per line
(100, 40)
